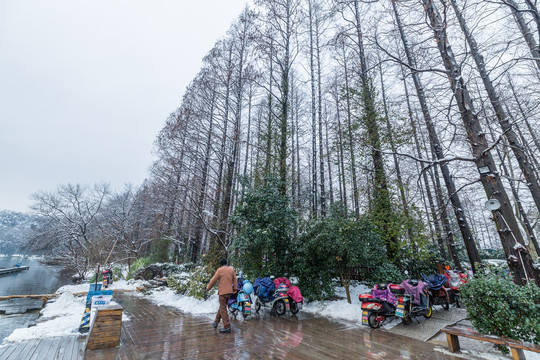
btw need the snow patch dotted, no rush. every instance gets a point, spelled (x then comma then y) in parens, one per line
(341, 309)
(62, 315)
(59, 318)
(187, 304)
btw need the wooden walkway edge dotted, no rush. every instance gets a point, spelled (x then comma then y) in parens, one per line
(57, 348)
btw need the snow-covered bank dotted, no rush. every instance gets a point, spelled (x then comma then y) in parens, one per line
(340, 309)
(187, 304)
(116, 285)
(62, 315)
(59, 318)
(336, 309)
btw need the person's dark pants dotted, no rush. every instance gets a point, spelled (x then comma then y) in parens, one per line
(222, 311)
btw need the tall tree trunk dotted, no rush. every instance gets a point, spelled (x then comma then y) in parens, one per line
(472, 251)
(314, 182)
(294, 107)
(248, 142)
(382, 206)
(343, 183)
(329, 162)
(350, 133)
(525, 31)
(401, 187)
(506, 125)
(518, 257)
(319, 113)
(204, 178)
(519, 204)
(534, 136)
(436, 224)
(268, 161)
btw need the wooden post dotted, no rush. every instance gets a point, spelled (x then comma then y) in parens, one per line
(453, 342)
(106, 328)
(517, 354)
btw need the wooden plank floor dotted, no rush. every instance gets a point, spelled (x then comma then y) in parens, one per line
(57, 348)
(163, 333)
(160, 332)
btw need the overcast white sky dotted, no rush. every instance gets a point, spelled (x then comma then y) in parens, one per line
(85, 86)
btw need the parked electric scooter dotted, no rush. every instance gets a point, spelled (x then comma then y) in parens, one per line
(283, 285)
(380, 305)
(438, 293)
(267, 296)
(456, 279)
(241, 303)
(415, 302)
(107, 277)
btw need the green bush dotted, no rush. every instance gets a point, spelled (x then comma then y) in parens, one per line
(331, 247)
(420, 261)
(497, 306)
(264, 224)
(138, 264)
(194, 284)
(93, 278)
(117, 273)
(386, 273)
(159, 250)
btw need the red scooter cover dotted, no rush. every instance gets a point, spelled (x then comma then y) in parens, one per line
(294, 293)
(282, 280)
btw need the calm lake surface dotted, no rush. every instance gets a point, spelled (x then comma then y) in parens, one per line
(39, 279)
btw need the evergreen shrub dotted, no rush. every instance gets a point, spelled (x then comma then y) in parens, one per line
(138, 264)
(497, 306)
(193, 284)
(386, 273)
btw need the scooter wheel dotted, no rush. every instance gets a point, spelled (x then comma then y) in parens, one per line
(406, 320)
(445, 306)
(458, 303)
(372, 321)
(294, 307)
(257, 306)
(279, 307)
(429, 312)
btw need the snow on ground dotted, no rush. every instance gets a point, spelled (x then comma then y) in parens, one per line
(59, 318)
(187, 304)
(340, 309)
(62, 315)
(116, 285)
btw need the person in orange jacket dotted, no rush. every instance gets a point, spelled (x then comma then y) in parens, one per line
(228, 284)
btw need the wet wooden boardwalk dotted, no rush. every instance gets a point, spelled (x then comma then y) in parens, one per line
(155, 332)
(58, 348)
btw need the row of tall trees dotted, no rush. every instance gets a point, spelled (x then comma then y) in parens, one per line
(412, 112)
(415, 113)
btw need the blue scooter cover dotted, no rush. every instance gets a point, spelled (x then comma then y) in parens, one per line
(264, 287)
(435, 282)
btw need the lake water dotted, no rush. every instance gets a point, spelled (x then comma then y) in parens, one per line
(39, 279)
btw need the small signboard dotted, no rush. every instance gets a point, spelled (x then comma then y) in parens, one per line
(101, 300)
(96, 293)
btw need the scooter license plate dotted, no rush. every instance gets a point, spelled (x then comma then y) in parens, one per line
(400, 311)
(287, 305)
(364, 317)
